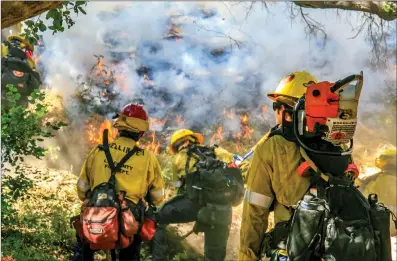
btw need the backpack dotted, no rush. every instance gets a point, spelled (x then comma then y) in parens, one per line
(107, 221)
(334, 221)
(214, 181)
(18, 69)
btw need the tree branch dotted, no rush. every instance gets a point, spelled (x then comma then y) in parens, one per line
(386, 10)
(13, 12)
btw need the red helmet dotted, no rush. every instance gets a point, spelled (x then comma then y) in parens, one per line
(134, 118)
(136, 111)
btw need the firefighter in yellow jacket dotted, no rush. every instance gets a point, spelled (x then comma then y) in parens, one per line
(384, 183)
(273, 182)
(140, 176)
(18, 68)
(181, 209)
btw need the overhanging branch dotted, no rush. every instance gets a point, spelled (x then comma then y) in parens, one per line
(13, 12)
(386, 10)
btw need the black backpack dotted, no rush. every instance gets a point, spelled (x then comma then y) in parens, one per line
(334, 221)
(213, 181)
(15, 70)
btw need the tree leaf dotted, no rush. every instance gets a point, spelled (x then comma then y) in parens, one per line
(82, 10)
(51, 14)
(42, 27)
(17, 96)
(29, 23)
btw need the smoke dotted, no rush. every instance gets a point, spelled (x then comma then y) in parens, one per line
(227, 59)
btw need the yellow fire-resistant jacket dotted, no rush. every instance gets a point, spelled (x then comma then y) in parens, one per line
(180, 159)
(384, 184)
(272, 177)
(140, 175)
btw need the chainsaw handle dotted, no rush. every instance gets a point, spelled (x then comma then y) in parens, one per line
(345, 81)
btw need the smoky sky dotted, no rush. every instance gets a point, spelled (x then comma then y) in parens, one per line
(225, 60)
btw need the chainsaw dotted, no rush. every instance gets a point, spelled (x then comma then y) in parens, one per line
(328, 110)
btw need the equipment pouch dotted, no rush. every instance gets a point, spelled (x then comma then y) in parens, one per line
(193, 186)
(306, 228)
(128, 224)
(380, 221)
(76, 223)
(279, 235)
(214, 214)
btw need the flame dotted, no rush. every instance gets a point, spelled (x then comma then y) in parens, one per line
(264, 109)
(99, 65)
(37, 59)
(95, 135)
(244, 119)
(154, 146)
(228, 114)
(147, 81)
(218, 136)
(157, 123)
(179, 120)
(246, 132)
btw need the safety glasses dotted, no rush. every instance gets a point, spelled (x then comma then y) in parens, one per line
(277, 105)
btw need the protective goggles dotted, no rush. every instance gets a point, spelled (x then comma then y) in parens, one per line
(277, 105)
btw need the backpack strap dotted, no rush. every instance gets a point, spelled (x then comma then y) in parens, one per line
(114, 169)
(190, 155)
(318, 174)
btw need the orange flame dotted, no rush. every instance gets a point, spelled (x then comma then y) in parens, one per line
(246, 132)
(99, 65)
(244, 119)
(95, 135)
(154, 146)
(218, 136)
(228, 114)
(153, 122)
(264, 109)
(179, 120)
(37, 59)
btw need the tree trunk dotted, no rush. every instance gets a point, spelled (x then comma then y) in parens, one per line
(13, 12)
(386, 10)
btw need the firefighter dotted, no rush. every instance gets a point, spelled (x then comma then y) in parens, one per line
(273, 182)
(384, 183)
(181, 209)
(18, 68)
(140, 176)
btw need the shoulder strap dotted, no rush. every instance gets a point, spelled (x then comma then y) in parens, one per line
(191, 154)
(114, 169)
(318, 173)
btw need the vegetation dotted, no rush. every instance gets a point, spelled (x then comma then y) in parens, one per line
(60, 16)
(22, 129)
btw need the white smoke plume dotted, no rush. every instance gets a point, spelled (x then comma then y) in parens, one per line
(259, 49)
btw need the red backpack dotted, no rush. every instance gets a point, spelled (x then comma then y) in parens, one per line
(107, 221)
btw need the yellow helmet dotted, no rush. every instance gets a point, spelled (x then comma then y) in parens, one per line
(184, 133)
(387, 159)
(292, 87)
